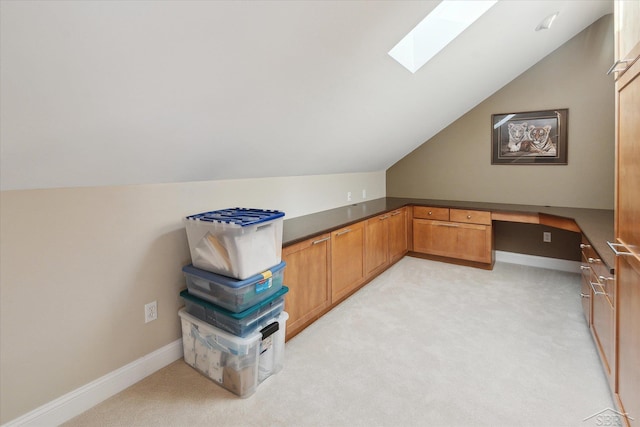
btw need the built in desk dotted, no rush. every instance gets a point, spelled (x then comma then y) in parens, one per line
(596, 224)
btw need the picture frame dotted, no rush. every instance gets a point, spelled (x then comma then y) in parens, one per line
(530, 138)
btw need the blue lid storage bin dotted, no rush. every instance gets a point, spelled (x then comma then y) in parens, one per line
(240, 324)
(234, 295)
(235, 242)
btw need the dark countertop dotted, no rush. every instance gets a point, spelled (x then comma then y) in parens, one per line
(596, 224)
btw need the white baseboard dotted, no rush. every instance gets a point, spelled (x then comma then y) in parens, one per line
(77, 401)
(538, 261)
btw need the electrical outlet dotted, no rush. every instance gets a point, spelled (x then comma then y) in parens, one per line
(364, 193)
(150, 311)
(349, 196)
(546, 236)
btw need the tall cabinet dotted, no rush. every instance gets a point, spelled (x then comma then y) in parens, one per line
(627, 207)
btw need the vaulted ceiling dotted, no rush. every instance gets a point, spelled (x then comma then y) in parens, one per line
(111, 93)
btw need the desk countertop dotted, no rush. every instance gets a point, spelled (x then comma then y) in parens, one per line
(596, 224)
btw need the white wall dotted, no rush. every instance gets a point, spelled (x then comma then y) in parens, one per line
(78, 265)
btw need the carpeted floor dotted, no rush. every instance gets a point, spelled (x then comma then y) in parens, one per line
(424, 344)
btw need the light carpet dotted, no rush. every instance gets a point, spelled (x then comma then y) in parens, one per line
(424, 344)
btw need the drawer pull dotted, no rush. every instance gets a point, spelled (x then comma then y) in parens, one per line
(585, 267)
(468, 216)
(614, 248)
(340, 233)
(382, 218)
(583, 246)
(604, 279)
(584, 295)
(430, 213)
(315, 242)
(594, 260)
(447, 224)
(593, 287)
(397, 213)
(614, 68)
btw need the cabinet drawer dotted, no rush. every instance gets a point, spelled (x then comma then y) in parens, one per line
(426, 212)
(599, 270)
(470, 217)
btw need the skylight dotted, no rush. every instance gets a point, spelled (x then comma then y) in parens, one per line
(446, 22)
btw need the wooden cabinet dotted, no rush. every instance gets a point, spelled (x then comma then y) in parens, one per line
(376, 244)
(386, 240)
(627, 208)
(600, 306)
(459, 234)
(307, 275)
(347, 260)
(398, 234)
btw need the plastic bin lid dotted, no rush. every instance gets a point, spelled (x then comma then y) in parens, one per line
(187, 296)
(229, 281)
(238, 216)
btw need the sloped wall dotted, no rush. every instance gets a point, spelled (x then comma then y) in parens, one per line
(456, 163)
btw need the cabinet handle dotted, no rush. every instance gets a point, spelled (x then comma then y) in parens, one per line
(584, 295)
(430, 213)
(593, 287)
(594, 260)
(395, 213)
(583, 246)
(604, 279)
(315, 242)
(614, 248)
(340, 233)
(585, 267)
(382, 218)
(618, 62)
(446, 224)
(468, 216)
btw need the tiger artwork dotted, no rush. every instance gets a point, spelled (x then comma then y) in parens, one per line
(539, 141)
(518, 132)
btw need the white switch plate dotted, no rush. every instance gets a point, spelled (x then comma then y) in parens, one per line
(546, 236)
(349, 196)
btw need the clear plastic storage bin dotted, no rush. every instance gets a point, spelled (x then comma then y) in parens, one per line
(272, 346)
(240, 324)
(234, 295)
(237, 242)
(238, 364)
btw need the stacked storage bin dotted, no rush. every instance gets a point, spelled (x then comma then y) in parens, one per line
(233, 322)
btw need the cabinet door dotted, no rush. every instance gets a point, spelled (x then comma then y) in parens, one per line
(347, 260)
(627, 209)
(398, 238)
(471, 242)
(307, 276)
(626, 31)
(434, 237)
(475, 242)
(628, 312)
(586, 293)
(376, 244)
(602, 326)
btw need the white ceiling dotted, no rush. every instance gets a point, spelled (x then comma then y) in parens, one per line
(111, 93)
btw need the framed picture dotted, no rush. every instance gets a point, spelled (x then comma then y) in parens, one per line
(534, 137)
